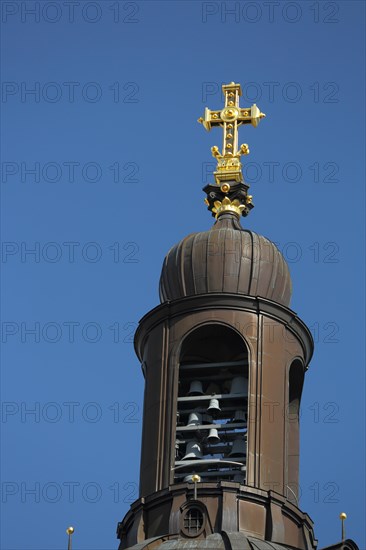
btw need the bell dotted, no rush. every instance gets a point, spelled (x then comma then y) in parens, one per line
(194, 419)
(239, 478)
(178, 453)
(188, 479)
(193, 450)
(239, 384)
(213, 389)
(195, 388)
(213, 436)
(192, 478)
(240, 416)
(238, 450)
(207, 419)
(214, 406)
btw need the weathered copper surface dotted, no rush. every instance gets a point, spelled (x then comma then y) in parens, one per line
(229, 508)
(223, 541)
(273, 344)
(226, 259)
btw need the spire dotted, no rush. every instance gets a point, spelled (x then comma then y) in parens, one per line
(232, 194)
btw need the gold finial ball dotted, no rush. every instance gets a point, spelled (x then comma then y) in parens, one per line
(225, 188)
(342, 516)
(70, 530)
(196, 478)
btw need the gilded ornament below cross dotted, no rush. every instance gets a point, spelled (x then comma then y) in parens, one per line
(230, 118)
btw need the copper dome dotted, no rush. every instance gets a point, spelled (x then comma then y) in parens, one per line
(229, 259)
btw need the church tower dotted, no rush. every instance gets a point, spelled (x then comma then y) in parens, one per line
(224, 361)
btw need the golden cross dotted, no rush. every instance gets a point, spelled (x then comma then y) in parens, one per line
(230, 118)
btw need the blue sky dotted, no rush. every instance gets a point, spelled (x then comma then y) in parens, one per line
(102, 170)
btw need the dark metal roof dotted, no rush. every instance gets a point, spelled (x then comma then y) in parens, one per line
(212, 542)
(257, 544)
(347, 544)
(229, 259)
(220, 541)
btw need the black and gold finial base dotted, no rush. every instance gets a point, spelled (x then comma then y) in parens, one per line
(230, 197)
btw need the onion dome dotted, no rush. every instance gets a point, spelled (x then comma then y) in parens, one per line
(226, 258)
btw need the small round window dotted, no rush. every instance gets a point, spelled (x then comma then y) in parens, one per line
(193, 522)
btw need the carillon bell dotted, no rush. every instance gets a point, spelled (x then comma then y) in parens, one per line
(194, 419)
(178, 452)
(238, 449)
(213, 389)
(207, 419)
(193, 450)
(214, 406)
(240, 416)
(193, 478)
(239, 478)
(239, 384)
(195, 388)
(188, 479)
(213, 436)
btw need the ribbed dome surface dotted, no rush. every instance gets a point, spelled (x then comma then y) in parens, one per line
(227, 258)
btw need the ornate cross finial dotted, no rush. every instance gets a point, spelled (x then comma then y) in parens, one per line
(228, 172)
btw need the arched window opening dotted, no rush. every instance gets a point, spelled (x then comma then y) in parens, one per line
(296, 380)
(212, 408)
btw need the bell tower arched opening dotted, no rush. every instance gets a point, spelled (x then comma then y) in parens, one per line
(212, 406)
